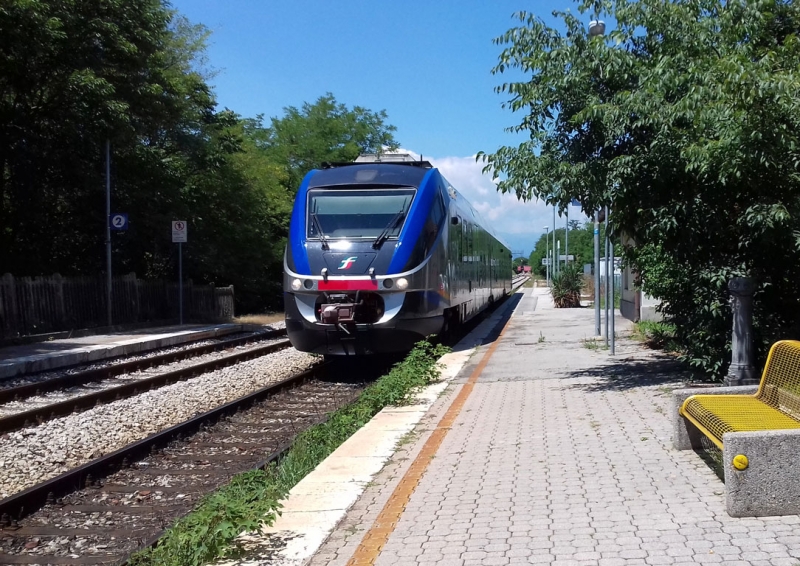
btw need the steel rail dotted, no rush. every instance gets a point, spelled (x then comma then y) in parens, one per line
(276, 455)
(84, 402)
(97, 374)
(32, 499)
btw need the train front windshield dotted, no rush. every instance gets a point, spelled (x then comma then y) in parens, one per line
(365, 213)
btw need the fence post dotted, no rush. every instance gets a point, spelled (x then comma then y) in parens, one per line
(61, 311)
(8, 308)
(137, 314)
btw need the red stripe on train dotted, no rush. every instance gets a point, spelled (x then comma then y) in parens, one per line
(348, 285)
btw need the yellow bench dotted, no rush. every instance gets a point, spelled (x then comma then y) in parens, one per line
(758, 433)
(775, 406)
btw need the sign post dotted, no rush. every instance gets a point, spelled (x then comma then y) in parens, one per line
(179, 236)
(108, 229)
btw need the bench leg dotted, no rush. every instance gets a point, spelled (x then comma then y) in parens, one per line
(685, 436)
(770, 485)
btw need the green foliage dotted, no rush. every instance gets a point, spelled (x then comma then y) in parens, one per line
(684, 119)
(581, 244)
(657, 335)
(251, 499)
(326, 131)
(566, 287)
(77, 73)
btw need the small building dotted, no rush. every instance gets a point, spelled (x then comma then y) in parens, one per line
(633, 304)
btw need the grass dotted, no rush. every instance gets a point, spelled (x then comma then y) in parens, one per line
(594, 344)
(251, 499)
(265, 319)
(656, 335)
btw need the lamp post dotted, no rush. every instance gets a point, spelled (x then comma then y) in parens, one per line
(558, 255)
(597, 28)
(566, 239)
(547, 253)
(555, 258)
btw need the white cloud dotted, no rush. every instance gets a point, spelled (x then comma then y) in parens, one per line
(518, 223)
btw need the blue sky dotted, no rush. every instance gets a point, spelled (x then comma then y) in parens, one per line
(427, 64)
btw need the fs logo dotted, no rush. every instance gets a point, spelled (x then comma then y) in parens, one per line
(347, 263)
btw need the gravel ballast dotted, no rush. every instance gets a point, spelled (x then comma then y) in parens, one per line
(32, 455)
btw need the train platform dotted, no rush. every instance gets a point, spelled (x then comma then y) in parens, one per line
(540, 449)
(53, 354)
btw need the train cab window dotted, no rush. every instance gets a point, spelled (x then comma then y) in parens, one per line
(434, 221)
(430, 231)
(432, 224)
(344, 213)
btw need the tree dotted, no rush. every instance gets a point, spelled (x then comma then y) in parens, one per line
(581, 245)
(685, 120)
(76, 73)
(326, 131)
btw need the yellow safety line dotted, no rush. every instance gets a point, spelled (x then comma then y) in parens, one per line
(372, 543)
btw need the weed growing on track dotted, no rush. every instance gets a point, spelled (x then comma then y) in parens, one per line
(251, 499)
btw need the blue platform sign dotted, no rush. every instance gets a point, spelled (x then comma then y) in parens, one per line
(118, 221)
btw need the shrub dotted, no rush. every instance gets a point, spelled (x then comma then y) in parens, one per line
(566, 288)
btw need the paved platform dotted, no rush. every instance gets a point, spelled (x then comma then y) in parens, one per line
(553, 452)
(560, 455)
(53, 354)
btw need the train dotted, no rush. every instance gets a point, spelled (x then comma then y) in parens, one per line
(383, 252)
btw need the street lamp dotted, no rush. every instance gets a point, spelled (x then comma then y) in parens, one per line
(547, 254)
(597, 28)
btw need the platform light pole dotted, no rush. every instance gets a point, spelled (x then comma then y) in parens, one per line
(109, 284)
(597, 28)
(613, 276)
(566, 239)
(597, 273)
(547, 254)
(555, 258)
(609, 307)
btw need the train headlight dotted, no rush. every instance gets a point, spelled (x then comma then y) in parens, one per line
(308, 284)
(402, 284)
(387, 283)
(296, 284)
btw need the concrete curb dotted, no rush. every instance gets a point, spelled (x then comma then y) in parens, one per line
(318, 502)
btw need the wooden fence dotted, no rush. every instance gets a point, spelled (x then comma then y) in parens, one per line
(38, 305)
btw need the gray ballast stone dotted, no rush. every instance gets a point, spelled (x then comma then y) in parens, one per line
(770, 485)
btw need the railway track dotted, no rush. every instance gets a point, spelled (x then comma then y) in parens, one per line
(101, 512)
(87, 398)
(106, 509)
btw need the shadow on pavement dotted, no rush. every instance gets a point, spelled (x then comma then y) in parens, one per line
(506, 309)
(625, 375)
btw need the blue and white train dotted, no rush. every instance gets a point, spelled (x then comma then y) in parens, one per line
(383, 252)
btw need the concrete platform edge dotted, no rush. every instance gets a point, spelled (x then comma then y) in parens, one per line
(318, 503)
(45, 362)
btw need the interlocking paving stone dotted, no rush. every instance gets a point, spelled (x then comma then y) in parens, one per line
(562, 455)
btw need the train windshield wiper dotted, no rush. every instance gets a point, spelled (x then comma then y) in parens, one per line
(323, 238)
(389, 227)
